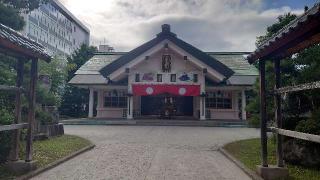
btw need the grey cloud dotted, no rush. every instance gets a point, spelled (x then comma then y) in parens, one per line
(210, 25)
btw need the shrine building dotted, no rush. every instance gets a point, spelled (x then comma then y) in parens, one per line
(167, 78)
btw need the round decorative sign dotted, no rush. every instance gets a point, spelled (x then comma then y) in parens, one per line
(149, 90)
(182, 91)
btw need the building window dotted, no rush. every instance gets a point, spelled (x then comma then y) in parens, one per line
(115, 99)
(159, 77)
(219, 100)
(195, 78)
(137, 78)
(173, 78)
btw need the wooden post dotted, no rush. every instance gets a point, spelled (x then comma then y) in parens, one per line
(32, 104)
(263, 112)
(278, 116)
(14, 154)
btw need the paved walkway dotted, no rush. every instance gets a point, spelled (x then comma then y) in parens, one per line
(152, 152)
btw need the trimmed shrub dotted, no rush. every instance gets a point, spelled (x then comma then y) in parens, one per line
(5, 137)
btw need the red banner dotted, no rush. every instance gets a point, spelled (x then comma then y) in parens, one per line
(178, 90)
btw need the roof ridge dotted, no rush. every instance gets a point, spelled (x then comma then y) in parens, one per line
(228, 52)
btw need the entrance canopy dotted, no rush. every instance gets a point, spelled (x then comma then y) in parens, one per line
(178, 90)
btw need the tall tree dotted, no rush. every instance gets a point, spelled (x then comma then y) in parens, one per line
(75, 100)
(11, 10)
(288, 72)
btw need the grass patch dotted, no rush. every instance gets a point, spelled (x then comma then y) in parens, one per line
(48, 151)
(248, 152)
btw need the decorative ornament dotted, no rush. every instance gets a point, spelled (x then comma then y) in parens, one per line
(184, 77)
(166, 63)
(182, 91)
(148, 77)
(149, 90)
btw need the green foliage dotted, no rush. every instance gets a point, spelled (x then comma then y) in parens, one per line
(78, 58)
(289, 76)
(22, 5)
(43, 117)
(283, 20)
(57, 71)
(6, 118)
(254, 120)
(75, 100)
(249, 153)
(10, 11)
(49, 151)
(10, 17)
(311, 125)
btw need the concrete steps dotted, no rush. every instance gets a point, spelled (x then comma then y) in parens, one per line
(156, 122)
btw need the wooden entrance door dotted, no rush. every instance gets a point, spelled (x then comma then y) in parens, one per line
(152, 105)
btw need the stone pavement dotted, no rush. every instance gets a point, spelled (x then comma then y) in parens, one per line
(152, 152)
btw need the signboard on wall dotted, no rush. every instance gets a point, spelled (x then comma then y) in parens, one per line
(148, 77)
(178, 90)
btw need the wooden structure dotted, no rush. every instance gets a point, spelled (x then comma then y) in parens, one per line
(301, 33)
(23, 49)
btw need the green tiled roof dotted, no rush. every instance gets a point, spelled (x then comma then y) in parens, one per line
(237, 62)
(97, 62)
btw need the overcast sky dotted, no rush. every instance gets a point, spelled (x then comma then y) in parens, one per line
(211, 25)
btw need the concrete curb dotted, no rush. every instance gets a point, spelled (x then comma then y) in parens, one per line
(56, 163)
(248, 171)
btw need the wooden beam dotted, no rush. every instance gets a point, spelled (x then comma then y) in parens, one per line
(15, 141)
(263, 113)
(16, 49)
(10, 88)
(12, 54)
(278, 114)
(13, 127)
(32, 104)
(303, 45)
(295, 36)
(301, 87)
(296, 45)
(295, 134)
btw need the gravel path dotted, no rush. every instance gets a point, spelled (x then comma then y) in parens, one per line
(152, 152)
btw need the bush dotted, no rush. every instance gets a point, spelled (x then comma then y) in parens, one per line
(304, 152)
(43, 117)
(254, 120)
(46, 97)
(5, 137)
(311, 125)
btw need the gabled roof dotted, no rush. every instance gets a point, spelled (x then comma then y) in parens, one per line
(89, 73)
(167, 34)
(14, 42)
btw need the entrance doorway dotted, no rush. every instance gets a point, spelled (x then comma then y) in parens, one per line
(155, 105)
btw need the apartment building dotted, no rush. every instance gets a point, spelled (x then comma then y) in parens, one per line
(56, 28)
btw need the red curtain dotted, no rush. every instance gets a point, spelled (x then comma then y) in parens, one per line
(178, 90)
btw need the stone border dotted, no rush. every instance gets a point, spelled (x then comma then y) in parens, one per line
(56, 163)
(248, 171)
